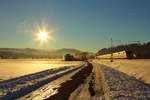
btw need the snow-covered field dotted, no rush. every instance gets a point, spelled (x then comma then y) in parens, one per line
(20, 77)
(11, 68)
(40, 79)
(140, 69)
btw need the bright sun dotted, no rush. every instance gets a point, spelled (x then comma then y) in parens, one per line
(43, 36)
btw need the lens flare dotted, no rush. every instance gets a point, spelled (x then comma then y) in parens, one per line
(43, 36)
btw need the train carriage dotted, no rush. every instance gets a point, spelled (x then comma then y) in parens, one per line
(117, 55)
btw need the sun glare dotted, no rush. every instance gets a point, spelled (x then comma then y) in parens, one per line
(43, 36)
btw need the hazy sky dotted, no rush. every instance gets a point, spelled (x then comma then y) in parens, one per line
(81, 24)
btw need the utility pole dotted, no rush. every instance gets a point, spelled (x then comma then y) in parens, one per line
(111, 58)
(111, 42)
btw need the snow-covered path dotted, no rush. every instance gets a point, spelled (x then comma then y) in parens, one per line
(138, 68)
(121, 86)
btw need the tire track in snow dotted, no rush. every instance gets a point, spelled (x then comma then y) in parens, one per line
(8, 87)
(124, 87)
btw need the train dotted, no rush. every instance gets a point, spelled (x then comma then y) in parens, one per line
(118, 55)
(75, 57)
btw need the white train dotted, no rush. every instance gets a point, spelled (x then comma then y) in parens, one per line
(118, 55)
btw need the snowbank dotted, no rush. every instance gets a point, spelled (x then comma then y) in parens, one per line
(140, 69)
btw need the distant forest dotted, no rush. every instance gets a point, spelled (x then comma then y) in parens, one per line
(142, 51)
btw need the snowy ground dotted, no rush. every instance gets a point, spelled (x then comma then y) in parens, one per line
(11, 68)
(48, 89)
(140, 69)
(118, 80)
(123, 87)
(33, 74)
(125, 79)
(111, 84)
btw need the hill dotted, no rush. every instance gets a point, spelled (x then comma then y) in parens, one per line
(35, 53)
